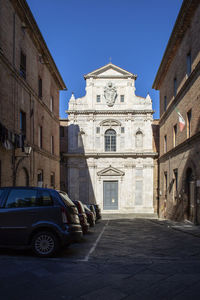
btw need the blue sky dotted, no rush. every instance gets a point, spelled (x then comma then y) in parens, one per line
(83, 34)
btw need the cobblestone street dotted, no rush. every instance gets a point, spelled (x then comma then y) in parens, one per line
(119, 259)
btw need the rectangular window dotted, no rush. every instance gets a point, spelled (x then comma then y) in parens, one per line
(175, 185)
(23, 123)
(165, 103)
(121, 98)
(62, 131)
(175, 87)
(165, 144)
(139, 172)
(189, 64)
(52, 145)
(189, 117)
(122, 130)
(175, 135)
(97, 129)
(52, 179)
(165, 185)
(40, 87)
(40, 178)
(23, 65)
(98, 98)
(51, 104)
(40, 136)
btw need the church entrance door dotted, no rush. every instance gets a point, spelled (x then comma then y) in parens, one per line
(110, 195)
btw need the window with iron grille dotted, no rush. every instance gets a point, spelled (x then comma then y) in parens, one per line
(110, 140)
(121, 98)
(23, 123)
(40, 87)
(98, 98)
(23, 65)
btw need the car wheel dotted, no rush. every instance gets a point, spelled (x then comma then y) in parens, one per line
(44, 244)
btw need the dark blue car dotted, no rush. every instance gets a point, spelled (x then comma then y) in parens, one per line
(40, 218)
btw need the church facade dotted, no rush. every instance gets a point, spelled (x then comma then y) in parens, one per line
(110, 157)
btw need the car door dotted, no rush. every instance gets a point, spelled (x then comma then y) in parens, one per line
(17, 213)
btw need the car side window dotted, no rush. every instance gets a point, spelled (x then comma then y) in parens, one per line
(45, 199)
(21, 198)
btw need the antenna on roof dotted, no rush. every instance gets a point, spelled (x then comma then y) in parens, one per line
(110, 58)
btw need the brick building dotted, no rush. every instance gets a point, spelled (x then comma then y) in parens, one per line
(178, 81)
(29, 101)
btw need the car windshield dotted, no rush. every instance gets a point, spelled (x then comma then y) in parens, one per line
(66, 198)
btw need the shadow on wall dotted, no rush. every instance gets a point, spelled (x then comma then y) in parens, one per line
(186, 204)
(80, 184)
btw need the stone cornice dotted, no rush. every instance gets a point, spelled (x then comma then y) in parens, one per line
(112, 154)
(182, 23)
(187, 144)
(26, 16)
(111, 112)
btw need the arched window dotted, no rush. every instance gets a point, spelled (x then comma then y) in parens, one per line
(110, 140)
(139, 139)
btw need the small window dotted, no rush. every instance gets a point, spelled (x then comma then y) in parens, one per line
(98, 98)
(52, 145)
(40, 178)
(189, 64)
(40, 136)
(62, 131)
(23, 123)
(121, 98)
(52, 179)
(51, 104)
(23, 65)
(175, 135)
(175, 186)
(165, 185)
(165, 103)
(21, 198)
(40, 87)
(165, 144)
(189, 117)
(175, 87)
(122, 130)
(97, 129)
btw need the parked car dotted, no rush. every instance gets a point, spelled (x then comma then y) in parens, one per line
(38, 218)
(92, 209)
(82, 216)
(96, 209)
(90, 216)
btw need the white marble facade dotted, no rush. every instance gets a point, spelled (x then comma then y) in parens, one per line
(110, 155)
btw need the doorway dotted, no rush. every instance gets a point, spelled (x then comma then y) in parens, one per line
(110, 195)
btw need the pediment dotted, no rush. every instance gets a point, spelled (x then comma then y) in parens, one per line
(110, 71)
(110, 171)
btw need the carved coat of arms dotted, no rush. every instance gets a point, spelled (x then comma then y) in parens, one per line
(110, 94)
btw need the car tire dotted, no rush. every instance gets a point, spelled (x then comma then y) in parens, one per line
(45, 244)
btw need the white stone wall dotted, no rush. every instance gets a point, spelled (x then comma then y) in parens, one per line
(132, 163)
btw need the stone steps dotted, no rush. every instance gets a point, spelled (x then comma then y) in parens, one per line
(129, 216)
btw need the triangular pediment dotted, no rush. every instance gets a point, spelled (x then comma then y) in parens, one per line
(110, 71)
(110, 171)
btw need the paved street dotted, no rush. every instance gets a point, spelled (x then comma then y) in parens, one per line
(119, 259)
